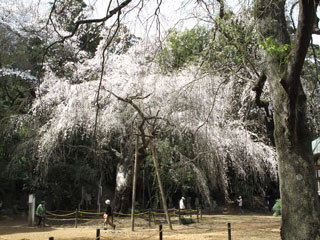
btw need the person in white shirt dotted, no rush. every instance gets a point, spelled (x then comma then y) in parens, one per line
(239, 200)
(181, 204)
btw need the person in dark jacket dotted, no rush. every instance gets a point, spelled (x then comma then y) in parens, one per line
(107, 216)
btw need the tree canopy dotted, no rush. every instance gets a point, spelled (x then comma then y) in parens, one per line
(76, 91)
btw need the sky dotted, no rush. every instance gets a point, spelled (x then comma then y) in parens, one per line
(171, 13)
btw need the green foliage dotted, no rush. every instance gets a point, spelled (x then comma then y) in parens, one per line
(62, 185)
(277, 208)
(21, 54)
(183, 48)
(122, 41)
(174, 151)
(230, 44)
(16, 160)
(67, 12)
(272, 47)
(90, 39)
(58, 56)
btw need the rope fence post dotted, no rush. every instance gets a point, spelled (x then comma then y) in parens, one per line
(229, 231)
(197, 215)
(149, 212)
(98, 234)
(160, 232)
(200, 214)
(76, 218)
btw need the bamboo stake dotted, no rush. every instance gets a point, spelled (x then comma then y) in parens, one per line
(164, 202)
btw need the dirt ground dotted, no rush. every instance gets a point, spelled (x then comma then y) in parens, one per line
(243, 227)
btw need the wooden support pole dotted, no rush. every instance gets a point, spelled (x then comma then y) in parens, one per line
(134, 183)
(31, 210)
(197, 215)
(76, 218)
(160, 232)
(229, 231)
(156, 166)
(98, 234)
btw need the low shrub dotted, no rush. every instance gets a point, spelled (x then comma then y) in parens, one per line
(277, 208)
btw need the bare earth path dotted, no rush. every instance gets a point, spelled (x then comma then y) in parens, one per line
(243, 227)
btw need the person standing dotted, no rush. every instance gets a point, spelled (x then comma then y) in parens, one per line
(41, 213)
(107, 216)
(182, 207)
(181, 204)
(239, 200)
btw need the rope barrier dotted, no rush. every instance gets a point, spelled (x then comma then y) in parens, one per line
(60, 215)
(152, 215)
(64, 219)
(90, 213)
(88, 219)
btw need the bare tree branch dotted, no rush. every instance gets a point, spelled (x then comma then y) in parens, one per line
(291, 15)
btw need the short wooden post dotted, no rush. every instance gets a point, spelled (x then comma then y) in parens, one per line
(98, 234)
(179, 216)
(76, 218)
(198, 215)
(149, 218)
(31, 205)
(229, 231)
(160, 232)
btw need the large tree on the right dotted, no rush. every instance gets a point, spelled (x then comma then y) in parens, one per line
(300, 202)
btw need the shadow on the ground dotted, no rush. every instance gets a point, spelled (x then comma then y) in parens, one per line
(20, 226)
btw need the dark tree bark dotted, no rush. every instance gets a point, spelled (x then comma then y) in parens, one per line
(300, 203)
(125, 167)
(122, 198)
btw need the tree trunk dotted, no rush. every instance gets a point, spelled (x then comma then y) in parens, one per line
(300, 204)
(124, 176)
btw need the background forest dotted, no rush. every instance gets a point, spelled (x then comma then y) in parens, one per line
(72, 110)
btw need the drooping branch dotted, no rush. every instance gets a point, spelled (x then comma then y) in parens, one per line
(102, 74)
